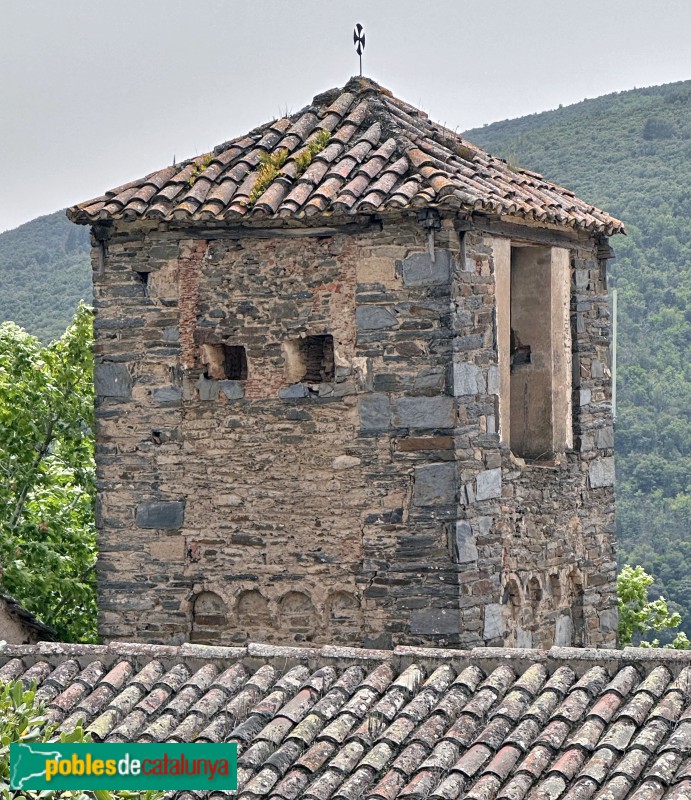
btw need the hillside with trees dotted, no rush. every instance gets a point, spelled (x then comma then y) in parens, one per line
(630, 153)
(44, 273)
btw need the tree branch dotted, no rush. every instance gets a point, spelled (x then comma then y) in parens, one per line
(40, 455)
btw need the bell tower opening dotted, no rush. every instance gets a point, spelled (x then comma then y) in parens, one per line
(534, 342)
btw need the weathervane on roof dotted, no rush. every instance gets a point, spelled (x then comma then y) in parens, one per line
(359, 41)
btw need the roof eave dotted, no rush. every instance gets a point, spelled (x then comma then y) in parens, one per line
(612, 227)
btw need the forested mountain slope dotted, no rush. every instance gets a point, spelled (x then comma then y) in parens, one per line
(630, 153)
(44, 273)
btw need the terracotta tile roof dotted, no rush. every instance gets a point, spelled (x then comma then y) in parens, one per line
(340, 723)
(356, 150)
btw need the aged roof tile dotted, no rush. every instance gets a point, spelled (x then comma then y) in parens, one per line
(682, 791)
(410, 759)
(367, 128)
(456, 727)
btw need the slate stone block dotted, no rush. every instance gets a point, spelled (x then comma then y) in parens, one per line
(375, 412)
(466, 549)
(429, 378)
(119, 322)
(294, 392)
(167, 396)
(467, 494)
(435, 621)
(473, 341)
(488, 484)
(482, 526)
(162, 514)
(233, 390)
(563, 634)
(582, 278)
(494, 624)
(112, 380)
(609, 620)
(467, 379)
(418, 269)
(188, 388)
(374, 318)
(601, 472)
(424, 412)
(493, 380)
(523, 638)
(584, 397)
(343, 389)
(605, 438)
(381, 642)
(435, 485)
(386, 383)
(164, 251)
(413, 444)
(208, 388)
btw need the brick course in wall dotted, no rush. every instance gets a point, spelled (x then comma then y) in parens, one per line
(379, 508)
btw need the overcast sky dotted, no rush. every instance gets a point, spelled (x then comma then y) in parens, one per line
(93, 94)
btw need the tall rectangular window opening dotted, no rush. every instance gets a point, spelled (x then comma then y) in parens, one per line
(534, 342)
(318, 355)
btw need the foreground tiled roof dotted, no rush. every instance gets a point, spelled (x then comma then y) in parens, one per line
(413, 723)
(356, 150)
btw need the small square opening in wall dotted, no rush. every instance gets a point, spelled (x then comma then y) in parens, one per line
(235, 362)
(225, 361)
(310, 359)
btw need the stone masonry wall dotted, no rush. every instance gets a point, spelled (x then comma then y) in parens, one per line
(377, 508)
(541, 536)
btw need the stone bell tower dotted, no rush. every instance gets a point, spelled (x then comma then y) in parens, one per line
(352, 386)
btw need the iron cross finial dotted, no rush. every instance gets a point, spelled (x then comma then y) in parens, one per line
(359, 41)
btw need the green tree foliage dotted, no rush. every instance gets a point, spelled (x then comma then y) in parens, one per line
(24, 719)
(630, 153)
(44, 273)
(47, 483)
(638, 614)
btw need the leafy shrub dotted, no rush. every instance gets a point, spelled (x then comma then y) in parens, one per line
(638, 615)
(47, 476)
(23, 719)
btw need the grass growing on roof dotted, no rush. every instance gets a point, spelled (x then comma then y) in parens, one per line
(271, 163)
(199, 167)
(304, 158)
(267, 172)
